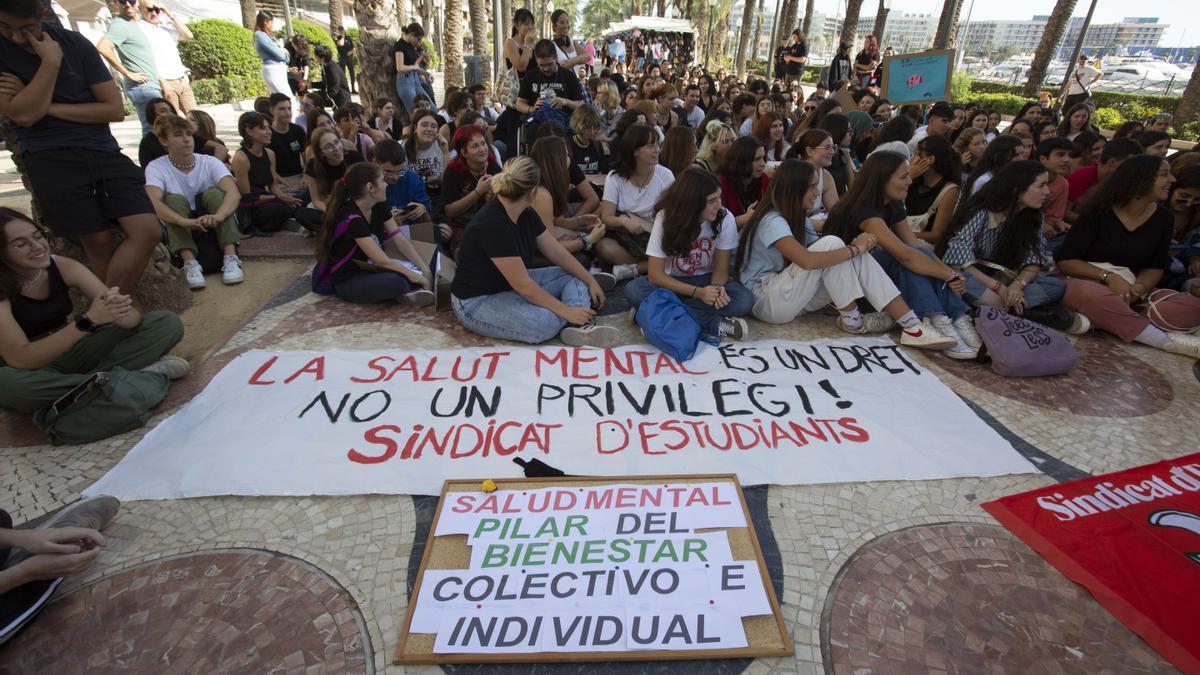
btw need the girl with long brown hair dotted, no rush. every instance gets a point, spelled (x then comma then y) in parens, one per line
(578, 234)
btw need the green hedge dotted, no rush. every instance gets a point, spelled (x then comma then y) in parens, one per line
(228, 89)
(315, 34)
(1005, 104)
(220, 48)
(1131, 106)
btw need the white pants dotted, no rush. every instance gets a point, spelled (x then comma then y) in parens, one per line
(275, 75)
(779, 298)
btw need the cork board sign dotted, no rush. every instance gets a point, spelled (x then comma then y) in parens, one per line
(592, 569)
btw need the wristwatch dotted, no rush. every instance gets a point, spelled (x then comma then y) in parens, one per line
(1104, 277)
(84, 324)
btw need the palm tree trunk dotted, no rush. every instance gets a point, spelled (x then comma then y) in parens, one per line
(739, 62)
(377, 32)
(1188, 109)
(947, 24)
(808, 16)
(850, 25)
(335, 14)
(248, 13)
(452, 43)
(479, 39)
(1055, 28)
(506, 7)
(881, 18)
(758, 21)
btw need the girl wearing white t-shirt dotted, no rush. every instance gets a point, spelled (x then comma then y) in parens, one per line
(690, 245)
(631, 193)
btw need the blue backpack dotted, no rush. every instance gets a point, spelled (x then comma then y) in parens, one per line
(668, 325)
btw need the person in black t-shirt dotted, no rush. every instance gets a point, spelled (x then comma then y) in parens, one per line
(466, 183)
(357, 228)
(796, 57)
(548, 85)
(333, 80)
(288, 142)
(408, 57)
(329, 163)
(298, 63)
(496, 294)
(345, 50)
(151, 148)
(1115, 254)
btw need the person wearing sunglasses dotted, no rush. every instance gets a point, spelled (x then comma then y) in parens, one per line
(126, 47)
(172, 75)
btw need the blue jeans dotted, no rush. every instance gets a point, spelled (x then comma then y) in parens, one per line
(509, 316)
(408, 85)
(428, 87)
(925, 295)
(1041, 292)
(139, 95)
(741, 300)
(365, 288)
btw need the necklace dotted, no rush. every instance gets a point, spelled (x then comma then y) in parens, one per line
(36, 278)
(182, 167)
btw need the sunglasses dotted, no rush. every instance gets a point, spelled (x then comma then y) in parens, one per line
(154, 10)
(130, 3)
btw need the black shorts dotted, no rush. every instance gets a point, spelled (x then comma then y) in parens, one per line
(83, 192)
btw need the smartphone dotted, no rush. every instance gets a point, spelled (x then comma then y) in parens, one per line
(64, 402)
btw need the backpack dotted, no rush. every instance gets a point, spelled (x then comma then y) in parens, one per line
(322, 275)
(1019, 347)
(103, 405)
(508, 86)
(668, 325)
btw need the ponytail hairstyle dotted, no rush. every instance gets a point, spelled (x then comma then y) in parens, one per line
(261, 20)
(785, 195)
(345, 190)
(553, 161)
(681, 205)
(519, 177)
(250, 120)
(869, 190)
(808, 140)
(1020, 226)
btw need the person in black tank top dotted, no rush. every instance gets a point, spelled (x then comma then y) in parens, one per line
(266, 205)
(45, 349)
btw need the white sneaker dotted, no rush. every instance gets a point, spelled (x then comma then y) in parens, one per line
(965, 326)
(418, 298)
(873, 322)
(606, 281)
(623, 272)
(231, 271)
(194, 274)
(927, 337)
(590, 335)
(1184, 344)
(631, 315)
(733, 328)
(174, 367)
(1079, 325)
(962, 349)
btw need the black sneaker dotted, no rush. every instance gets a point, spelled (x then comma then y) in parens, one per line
(1058, 318)
(733, 329)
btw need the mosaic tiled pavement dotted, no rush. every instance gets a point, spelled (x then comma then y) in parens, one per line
(886, 577)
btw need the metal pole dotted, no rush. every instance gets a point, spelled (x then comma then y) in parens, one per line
(708, 45)
(774, 37)
(498, 40)
(287, 18)
(1087, 21)
(960, 37)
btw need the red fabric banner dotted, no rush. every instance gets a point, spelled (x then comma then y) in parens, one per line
(1132, 538)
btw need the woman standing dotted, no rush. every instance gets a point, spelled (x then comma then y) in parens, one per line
(569, 55)
(790, 269)
(354, 231)
(408, 56)
(518, 47)
(274, 59)
(1115, 254)
(691, 243)
(742, 180)
(497, 295)
(333, 80)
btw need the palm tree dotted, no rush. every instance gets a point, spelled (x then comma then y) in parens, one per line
(505, 23)
(1055, 28)
(758, 21)
(853, 7)
(947, 24)
(881, 18)
(377, 32)
(452, 43)
(335, 14)
(1188, 109)
(248, 13)
(479, 38)
(808, 16)
(739, 63)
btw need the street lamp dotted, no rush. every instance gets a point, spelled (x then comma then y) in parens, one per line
(712, 9)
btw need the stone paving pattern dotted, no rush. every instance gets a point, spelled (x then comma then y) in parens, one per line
(899, 577)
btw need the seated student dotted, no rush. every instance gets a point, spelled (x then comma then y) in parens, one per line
(329, 163)
(313, 100)
(456, 104)
(791, 270)
(937, 173)
(678, 150)
(36, 557)
(362, 272)
(690, 246)
(471, 117)
(875, 204)
(1156, 143)
(577, 234)
(265, 200)
(496, 294)
(998, 153)
(427, 152)
(204, 126)
(631, 191)
(466, 185)
(1115, 254)
(589, 148)
(482, 104)
(1002, 224)
(349, 127)
(742, 179)
(1085, 151)
(193, 192)
(841, 161)
(288, 142)
(151, 149)
(770, 130)
(817, 146)
(1080, 182)
(333, 79)
(406, 191)
(46, 349)
(715, 142)
(1055, 154)
(385, 119)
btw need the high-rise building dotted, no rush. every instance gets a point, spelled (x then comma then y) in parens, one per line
(1130, 34)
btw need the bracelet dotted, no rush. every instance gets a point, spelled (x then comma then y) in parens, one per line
(1022, 282)
(953, 275)
(694, 289)
(854, 252)
(995, 287)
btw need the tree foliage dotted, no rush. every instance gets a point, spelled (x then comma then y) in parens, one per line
(219, 48)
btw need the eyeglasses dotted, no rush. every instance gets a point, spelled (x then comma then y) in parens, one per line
(330, 147)
(826, 148)
(129, 3)
(25, 243)
(393, 174)
(153, 10)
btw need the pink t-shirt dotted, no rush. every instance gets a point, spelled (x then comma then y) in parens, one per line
(591, 52)
(1056, 206)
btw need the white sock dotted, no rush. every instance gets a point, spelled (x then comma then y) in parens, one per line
(851, 318)
(1153, 336)
(909, 321)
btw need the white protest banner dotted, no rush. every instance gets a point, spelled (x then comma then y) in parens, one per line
(604, 570)
(402, 422)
